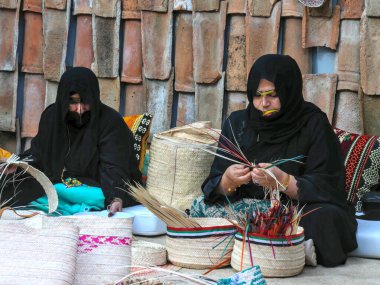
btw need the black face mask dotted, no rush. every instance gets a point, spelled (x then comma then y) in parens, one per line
(77, 120)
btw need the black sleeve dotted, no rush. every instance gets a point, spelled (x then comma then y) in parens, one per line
(117, 164)
(231, 127)
(324, 177)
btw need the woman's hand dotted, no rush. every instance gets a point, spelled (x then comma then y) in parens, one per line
(260, 177)
(115, 206)
(234, 176)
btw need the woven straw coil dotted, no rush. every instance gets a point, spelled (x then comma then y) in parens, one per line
(37, 256)
(148, 254)
(178, 165)
(200, 252)
(105, 263)
(289, 259)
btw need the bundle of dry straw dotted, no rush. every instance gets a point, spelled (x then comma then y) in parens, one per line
(171, 216)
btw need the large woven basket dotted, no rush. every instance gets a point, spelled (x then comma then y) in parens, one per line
(276, 256)
(104, 249)
(178, 165)
(37, 256)
(201, 248)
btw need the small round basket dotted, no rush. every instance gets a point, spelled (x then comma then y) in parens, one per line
(203, 247)
(148, 254)
(276, 256)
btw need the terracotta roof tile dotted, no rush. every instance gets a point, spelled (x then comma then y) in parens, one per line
(32, 58)
(55, 26)
(55, 4)
(8, 100)
(84, 52)
(184, 73)
(370, 114)
(186, 108)
(348, 56)
(107, 8)
(369, 55)
(208, 44)
(153, 5)
(236, 79)
(51, 92)
(372, 8)
(132, 52)
(34, 104)
(236, 101)
(262, 35)
(9, 20)
(321, 31)
(236, 6)
(203, 6)
(110, 92)
(320, 89)
(9, 4)
(351, 9)
(292, 8)
(347, 112)
(183, 5)
(82, 7)
(323, 11)
(159, 103)
(32, 6)
(209, 102)
(130, 9)
(292, 44)
(135, 99)
(260, 8)
(157, 34)
(106, 46)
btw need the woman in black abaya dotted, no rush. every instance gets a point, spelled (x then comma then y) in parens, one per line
(279, 124)
(80, 137)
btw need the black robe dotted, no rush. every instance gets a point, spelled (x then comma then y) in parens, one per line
(320, 180)
(99, 154)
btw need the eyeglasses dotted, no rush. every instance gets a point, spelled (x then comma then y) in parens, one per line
(271, 93)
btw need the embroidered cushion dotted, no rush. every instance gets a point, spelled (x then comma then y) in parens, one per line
(140, 126)
(362, 162)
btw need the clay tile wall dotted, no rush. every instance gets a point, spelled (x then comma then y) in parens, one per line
(188, 60)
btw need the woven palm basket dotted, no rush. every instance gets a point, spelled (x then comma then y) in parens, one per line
(148, 254)
(276, 256)
(201, 248)
(37, 256)
(104, 249)
(179, 165)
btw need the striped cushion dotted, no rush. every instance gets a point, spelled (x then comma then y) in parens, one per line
(362, 162)
(140, 127)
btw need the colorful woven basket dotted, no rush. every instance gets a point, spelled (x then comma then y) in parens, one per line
(276, 256)
(201, 248)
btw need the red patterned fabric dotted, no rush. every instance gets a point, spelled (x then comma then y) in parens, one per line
(88, 243)
(362, 162)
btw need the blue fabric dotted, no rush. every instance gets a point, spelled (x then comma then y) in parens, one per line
(73, 200)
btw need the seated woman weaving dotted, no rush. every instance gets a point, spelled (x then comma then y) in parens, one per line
(279, 124)
(84, 147)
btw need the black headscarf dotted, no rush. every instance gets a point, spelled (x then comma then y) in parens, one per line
(284, 72)
(99, 154)
(83, 81)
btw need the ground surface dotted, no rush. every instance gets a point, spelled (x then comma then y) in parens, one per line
(361, 271)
